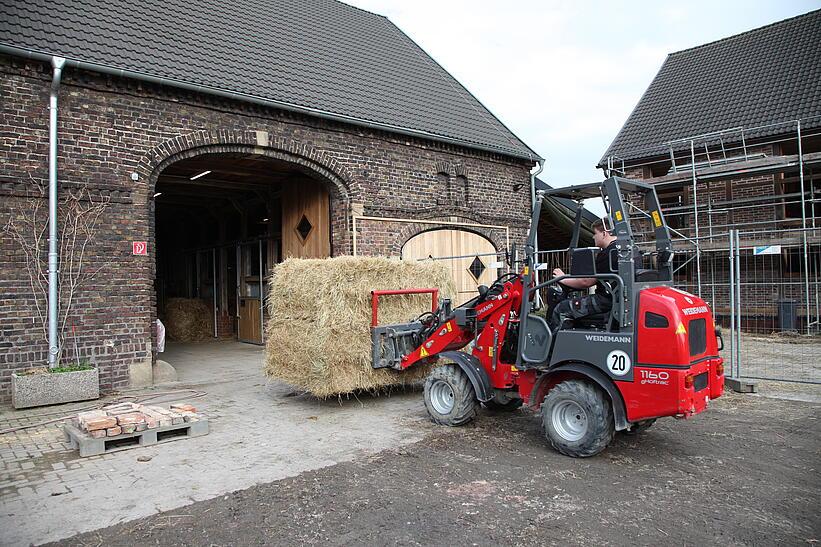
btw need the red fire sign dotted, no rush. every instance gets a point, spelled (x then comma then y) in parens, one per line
(139, 247)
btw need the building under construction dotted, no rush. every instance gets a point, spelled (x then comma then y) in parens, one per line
(730, 134)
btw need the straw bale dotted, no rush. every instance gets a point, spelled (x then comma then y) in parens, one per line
(318, 334)
(188, 320)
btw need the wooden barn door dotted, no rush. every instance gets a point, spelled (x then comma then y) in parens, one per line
(469, 272)
(305, 220)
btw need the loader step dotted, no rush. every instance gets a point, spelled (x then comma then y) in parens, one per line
(90, 446)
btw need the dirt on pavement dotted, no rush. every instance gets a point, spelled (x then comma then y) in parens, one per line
(744, 472)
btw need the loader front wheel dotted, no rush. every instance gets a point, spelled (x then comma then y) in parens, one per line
(449, 396)
(577, 419)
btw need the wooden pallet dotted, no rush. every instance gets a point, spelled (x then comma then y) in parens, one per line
(89, 446)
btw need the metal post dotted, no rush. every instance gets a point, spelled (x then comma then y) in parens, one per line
(695, 215)
(197, 275)
(732, 305)
(804, 230)
(239, 283)
(713, 255)
(744, 144)
(261, 298)
(53, 258)
(214, 279)
(738, 302)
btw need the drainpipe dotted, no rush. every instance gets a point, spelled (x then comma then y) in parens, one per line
(53, 295)
(535, 228)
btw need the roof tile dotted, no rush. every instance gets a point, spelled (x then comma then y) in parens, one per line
(317, 54)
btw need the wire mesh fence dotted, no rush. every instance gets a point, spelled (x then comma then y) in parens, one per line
(775, 330)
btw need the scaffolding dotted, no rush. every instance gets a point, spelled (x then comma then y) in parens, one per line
(692, 163)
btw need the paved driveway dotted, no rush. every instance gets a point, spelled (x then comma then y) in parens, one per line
(260, 432)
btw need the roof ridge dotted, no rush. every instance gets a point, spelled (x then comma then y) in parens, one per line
(746, 32)
(359, 9)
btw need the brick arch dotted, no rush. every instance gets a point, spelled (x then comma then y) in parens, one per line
(408, 231)
(254, 142)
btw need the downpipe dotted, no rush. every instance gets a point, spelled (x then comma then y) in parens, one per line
(53, 294)
(535, 228)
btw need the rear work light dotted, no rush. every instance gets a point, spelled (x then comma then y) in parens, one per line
(688, 381)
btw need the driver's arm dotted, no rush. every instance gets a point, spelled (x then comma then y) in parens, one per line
(577, 283)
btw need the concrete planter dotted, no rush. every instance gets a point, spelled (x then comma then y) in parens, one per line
(47, 388)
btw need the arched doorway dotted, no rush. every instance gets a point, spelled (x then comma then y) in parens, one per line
(222, 220)
(471, 257)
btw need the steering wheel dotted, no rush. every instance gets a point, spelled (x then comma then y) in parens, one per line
(496, 287)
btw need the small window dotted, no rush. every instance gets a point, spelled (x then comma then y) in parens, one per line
(697, 329)
(655, 321)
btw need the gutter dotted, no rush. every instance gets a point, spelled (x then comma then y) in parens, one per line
(243, 97)
(53, 294)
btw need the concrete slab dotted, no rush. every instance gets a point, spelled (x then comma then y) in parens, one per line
(259, 432)
(740, 385)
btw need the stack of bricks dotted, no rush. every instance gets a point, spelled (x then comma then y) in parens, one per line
(128, 418)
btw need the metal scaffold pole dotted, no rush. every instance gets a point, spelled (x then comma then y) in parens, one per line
(695, 215)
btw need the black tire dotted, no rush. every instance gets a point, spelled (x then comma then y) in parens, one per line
(639, 427)
(449, 383)
(503, 403)
(577, 419)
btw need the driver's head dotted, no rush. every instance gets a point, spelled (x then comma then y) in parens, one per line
(601, 237)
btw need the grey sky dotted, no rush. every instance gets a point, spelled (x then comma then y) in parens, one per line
(564, 76)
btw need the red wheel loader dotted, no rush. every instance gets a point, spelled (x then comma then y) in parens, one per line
(655, 353)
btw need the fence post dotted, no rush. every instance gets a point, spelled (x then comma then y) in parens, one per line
(732, 307)
(738, 301)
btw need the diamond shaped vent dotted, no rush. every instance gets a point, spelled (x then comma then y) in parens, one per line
(304, 227)
(477, 268)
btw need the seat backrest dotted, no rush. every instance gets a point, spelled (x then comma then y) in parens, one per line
(537, 340)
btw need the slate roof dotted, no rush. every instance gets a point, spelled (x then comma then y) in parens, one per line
(767, 75)
(321, 56)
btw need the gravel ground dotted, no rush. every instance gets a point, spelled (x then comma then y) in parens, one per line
(744, 472)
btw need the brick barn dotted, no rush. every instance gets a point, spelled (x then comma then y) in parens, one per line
(227, 140)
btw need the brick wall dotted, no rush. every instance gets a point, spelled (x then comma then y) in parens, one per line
(110, 128)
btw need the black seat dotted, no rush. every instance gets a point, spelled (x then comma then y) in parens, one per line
(648, 275)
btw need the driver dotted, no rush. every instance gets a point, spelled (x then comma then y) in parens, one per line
(599, 302)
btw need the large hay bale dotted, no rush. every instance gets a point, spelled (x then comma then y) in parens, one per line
(318, 334)
(188, 320)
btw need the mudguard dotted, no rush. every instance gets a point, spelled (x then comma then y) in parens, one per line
(601, 379)
(477, 375)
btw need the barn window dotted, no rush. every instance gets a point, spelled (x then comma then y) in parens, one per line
(477, 268)
(304, 227)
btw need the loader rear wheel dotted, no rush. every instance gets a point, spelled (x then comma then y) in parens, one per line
(449, 396)
(577, 419)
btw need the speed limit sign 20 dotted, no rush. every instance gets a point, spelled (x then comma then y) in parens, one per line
(618, 362)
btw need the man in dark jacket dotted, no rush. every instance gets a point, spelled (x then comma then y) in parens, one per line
(599, 302)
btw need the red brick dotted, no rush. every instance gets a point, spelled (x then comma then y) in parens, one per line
(100, 423)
